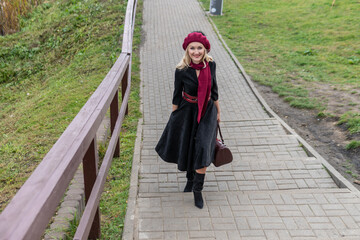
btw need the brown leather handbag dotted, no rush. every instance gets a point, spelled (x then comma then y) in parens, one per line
(223, 154)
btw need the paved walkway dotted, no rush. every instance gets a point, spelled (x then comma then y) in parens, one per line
(272, 190)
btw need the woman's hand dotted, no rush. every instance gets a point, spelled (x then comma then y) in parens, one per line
(174, 107)
(217, 105)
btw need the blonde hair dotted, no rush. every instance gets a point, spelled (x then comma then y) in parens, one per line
(185, 61)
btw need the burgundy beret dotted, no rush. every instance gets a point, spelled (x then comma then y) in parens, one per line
(196, 37)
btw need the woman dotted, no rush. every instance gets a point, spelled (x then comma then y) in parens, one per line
(189, 136)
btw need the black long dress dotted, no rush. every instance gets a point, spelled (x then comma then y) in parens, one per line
(185, 141)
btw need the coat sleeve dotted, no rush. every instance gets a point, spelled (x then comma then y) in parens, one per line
(214, 86)
(178, 88)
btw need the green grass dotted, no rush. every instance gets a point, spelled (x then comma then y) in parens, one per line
(352, 121)
(296, 46)
(292, 42)
(353, 145)
(70, 232)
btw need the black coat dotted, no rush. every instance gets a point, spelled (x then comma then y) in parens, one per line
(185, 141)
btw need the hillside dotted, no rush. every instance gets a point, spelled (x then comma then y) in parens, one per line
(48, 70)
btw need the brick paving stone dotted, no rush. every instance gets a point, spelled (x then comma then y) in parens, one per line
(256, 219)
(302, 223)
(242, 223)
(193, 224)
(254, 223)
(221, 235)
(205, 224)
(202, 234)
(151, 235)
(149, 225)
(175, 224)
(271, 190)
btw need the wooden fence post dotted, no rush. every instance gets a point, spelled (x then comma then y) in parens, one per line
(114, 113)
(90, 168)
(124, 84)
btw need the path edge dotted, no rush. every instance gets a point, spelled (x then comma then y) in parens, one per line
(340, 180)
(130, 217)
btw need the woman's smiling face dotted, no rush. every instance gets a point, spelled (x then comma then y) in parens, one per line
(196, 52)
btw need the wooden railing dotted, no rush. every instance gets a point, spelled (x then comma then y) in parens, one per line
(29, 212)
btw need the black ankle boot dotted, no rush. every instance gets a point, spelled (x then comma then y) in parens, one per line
(197, 188)
(190, 180)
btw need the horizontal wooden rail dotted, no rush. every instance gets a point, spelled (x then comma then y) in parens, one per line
(129, 26)
(29, 212)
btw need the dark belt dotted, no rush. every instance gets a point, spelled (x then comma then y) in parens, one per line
(191, 99)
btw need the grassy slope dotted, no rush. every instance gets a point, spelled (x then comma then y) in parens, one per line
(292, 46)
(47, 73)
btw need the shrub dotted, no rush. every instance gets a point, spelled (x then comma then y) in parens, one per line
(11, 10)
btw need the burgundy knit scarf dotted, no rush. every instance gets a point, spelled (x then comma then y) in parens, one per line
(204, 87)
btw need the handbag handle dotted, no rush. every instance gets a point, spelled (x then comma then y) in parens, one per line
(218, 126)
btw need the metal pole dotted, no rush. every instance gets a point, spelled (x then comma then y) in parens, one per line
(216, 7)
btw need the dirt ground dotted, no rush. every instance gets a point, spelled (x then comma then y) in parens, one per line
(324, 135)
